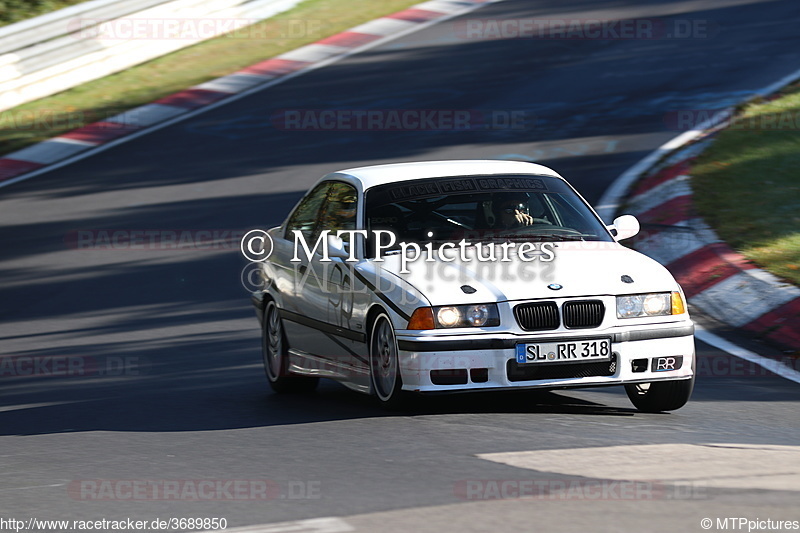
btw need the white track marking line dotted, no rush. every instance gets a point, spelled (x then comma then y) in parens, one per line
(610, 200)
(147, 115)
(312, 53)
(766, 363)
(314, 525)
(233, 83)
(48, 151)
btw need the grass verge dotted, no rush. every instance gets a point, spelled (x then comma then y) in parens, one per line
(310, 21)
(12, 11)
(747, 184)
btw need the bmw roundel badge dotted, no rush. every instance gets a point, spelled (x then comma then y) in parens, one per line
(555, 286)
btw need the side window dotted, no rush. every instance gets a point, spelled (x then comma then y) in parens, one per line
(306, 216)
(339, 212)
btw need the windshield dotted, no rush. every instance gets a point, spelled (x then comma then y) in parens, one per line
(481, 209)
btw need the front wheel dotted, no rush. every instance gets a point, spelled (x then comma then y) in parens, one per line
(275, 353)
(660, 396)
(384, 367)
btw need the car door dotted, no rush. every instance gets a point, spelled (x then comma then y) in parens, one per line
(328, 287)
(345, 292)
(294, 275)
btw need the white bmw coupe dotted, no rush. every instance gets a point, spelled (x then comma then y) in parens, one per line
(463, 276)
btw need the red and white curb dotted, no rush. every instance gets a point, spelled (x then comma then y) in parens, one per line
(715, 278)
(93, 138)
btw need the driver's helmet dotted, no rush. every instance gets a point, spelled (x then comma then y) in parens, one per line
(494, 210)
(509, 202)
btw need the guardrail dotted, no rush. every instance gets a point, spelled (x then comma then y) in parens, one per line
(63, 49)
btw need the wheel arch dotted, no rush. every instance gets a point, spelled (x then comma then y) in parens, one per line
(373, 312)
(261, 299)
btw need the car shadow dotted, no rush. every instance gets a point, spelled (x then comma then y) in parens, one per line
(241, 398)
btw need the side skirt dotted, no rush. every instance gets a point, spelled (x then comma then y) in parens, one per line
(305, 364)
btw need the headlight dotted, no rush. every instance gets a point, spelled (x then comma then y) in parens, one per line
(654, 304)
(448, 317)
(477, 315)
(466, 316)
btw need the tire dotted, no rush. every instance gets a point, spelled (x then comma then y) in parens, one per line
(384, 368)
(274, 351)
(662, 395)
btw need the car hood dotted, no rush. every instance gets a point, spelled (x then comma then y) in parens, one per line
(579, 268)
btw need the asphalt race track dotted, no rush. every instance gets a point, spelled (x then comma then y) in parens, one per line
(170, 385)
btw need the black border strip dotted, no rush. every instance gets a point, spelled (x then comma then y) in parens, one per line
(502, 344)
(346, 347)
(385, 299)
(324, 327)
(455, 345)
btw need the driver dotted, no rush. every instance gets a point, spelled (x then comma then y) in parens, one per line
(511, 210)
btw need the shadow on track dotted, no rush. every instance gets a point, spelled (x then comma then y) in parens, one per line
(209, 395)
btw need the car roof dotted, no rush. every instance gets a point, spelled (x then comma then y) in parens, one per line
(379, 174)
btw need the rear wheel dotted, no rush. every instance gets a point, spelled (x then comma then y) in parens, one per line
(275, 353)
(384, 367)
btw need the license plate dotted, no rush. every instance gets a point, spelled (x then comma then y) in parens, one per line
(588, 350)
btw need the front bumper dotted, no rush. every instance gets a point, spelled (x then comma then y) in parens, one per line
(476, 362)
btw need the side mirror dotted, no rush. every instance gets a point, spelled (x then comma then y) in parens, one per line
(624, 227)
(337, 247)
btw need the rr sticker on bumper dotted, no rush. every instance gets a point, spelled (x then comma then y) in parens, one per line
(667, 364)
